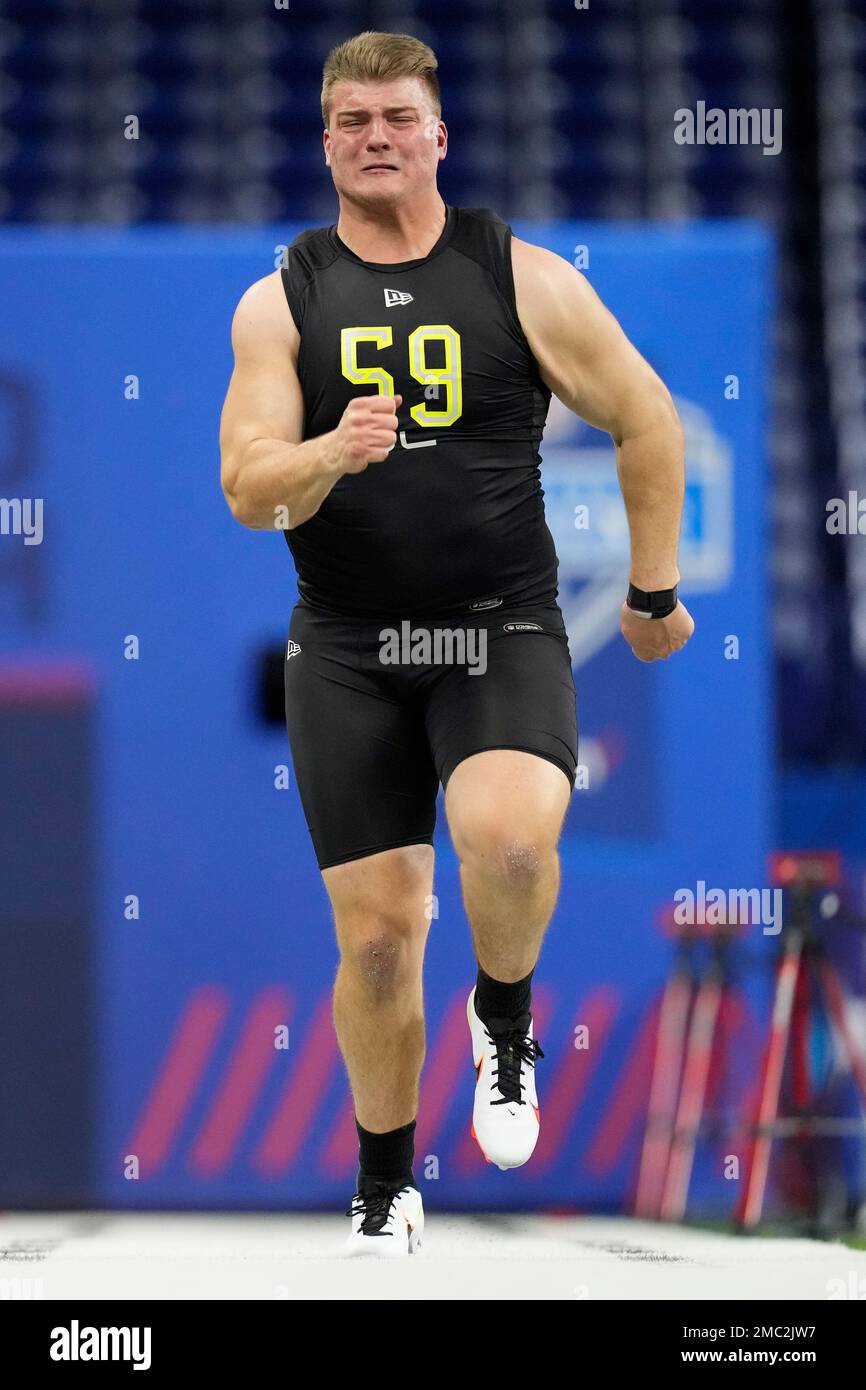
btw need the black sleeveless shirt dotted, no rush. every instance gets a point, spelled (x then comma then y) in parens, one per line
(454, 517)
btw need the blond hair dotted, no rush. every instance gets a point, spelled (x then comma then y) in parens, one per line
(375, 57)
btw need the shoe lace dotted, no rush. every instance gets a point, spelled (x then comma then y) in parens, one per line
(376, 1204)
(514, 1048)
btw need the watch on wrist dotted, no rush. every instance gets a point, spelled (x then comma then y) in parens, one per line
(657, 603)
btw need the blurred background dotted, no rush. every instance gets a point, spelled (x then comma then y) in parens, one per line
(166, 943)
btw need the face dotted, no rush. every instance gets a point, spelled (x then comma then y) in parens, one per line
(384, 141)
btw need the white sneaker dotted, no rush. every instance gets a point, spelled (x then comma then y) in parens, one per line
(387, 1221)
(505, 1115)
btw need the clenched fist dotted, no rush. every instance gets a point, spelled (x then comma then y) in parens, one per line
(367, 432)
(654, 639)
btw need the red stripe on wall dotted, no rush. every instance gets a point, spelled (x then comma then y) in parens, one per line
(300, 1098)
(243, 1079)
(46, 682)
(188, 1053)
(629, 1099)
(560, 1098)
(339, 1153)
(440, 1080)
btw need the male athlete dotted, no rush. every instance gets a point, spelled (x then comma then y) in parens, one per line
(389, 394)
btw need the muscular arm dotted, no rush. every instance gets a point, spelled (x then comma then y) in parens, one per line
(268, 475)
(589, 363)
(264, 466)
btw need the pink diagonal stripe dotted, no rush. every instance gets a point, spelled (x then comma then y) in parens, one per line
(451, 1055)
(172, 1091)
(243, 1079)
(629, 1100)
(564, 1093)
(467, 1157)
(339, 1153)
(44, 682)
(300, 1098)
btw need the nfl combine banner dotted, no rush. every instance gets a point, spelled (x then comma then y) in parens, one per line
(215, 1075)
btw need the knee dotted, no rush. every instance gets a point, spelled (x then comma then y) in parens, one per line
(519, 861)
(381, 916)
(381, 954)
(377, 961)
(523, 862)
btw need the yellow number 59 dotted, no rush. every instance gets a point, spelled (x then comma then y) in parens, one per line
(447, 378)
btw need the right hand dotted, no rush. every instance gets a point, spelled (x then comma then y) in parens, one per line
(655, 639)
(367, 432)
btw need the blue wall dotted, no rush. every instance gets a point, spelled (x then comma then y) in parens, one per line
(234, 935)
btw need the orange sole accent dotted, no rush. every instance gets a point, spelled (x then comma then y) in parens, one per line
(475, 1137)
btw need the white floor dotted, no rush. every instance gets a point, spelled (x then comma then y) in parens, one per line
(103, 1255)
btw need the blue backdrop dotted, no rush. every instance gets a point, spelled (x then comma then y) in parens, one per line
(111, 383)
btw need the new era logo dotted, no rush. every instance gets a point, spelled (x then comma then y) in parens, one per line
(393, 297)
(292, 649)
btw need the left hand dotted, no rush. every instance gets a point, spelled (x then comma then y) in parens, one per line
(655, 639)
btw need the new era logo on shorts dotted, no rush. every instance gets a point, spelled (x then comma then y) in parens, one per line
(523, 627)
(292, 649)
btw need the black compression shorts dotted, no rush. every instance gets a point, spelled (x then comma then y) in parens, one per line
(379, 714)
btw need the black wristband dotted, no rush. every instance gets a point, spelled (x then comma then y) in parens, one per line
(659, 603)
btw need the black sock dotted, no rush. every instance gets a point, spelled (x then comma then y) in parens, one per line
(494, 999)
(386, 1157)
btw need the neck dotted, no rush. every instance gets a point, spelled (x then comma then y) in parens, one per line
(396, 234)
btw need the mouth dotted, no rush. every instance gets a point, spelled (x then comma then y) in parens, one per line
(379, 169)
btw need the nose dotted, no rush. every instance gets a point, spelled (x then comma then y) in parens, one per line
(377, 135)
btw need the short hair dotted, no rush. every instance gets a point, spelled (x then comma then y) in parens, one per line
(375, 57)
